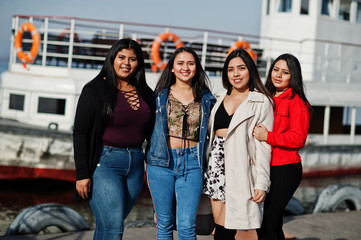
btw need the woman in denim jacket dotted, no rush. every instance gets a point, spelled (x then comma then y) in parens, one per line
(176, 157)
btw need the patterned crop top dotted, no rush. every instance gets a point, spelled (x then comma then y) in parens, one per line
(183, 120)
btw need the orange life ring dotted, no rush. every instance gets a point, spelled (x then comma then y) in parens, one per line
(163, 37)
(245, 45)
(30, 57)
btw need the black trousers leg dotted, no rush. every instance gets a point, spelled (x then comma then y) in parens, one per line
(219, 233)
(285, 180)
(230, 234)
(222, 233)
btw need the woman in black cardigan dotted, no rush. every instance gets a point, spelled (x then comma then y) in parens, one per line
(114, 116)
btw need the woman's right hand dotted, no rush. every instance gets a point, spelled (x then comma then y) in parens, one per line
(83, 187)
(260, 132)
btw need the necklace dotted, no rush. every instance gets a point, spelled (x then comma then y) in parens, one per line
(279, 91)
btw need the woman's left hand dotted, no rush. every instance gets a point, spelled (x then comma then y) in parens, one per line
(259, 196)
(260, 132)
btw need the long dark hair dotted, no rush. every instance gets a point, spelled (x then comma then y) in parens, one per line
(296, 80)
(200, 80)
(111, 80)
(254, 78)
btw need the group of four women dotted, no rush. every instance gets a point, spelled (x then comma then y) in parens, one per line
(230, 148)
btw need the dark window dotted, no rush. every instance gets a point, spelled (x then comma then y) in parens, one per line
(285, 6)
(16, 102)
(304, 7)
(335, 124)
(327, 6)
(345, 9)
(267, 7)
(51, 105)
(358, 12)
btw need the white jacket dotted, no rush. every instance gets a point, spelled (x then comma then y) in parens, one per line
(247, 160)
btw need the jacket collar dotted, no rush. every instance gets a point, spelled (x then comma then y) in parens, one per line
(244, 111)
(286, 94)
(253, 96)
(207, 95)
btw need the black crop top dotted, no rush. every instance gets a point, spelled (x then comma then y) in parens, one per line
(222, 119)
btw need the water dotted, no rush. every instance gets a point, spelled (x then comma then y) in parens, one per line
(15, 196)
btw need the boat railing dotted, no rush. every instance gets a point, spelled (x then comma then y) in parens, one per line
(84, 43)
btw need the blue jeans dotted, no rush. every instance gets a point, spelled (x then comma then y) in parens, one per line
(176, 191)
(117, 182)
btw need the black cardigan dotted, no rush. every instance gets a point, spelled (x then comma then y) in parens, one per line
(89, 126)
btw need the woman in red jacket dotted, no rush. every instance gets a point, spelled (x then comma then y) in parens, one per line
(292, 117)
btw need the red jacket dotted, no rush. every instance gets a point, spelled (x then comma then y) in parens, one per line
(290, 129)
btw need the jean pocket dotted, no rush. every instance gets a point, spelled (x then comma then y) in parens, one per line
(105, 152)
(194, 152)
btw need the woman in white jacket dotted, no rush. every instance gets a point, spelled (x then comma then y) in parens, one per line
(239, 165)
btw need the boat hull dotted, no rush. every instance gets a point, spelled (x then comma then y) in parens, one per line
(32, 173)
(32, 152)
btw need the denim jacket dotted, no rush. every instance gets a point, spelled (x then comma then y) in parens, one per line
(157, 153)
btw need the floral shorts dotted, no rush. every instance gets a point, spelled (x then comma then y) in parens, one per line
(215, 179)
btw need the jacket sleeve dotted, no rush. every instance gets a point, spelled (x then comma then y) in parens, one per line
(296, 134)
(263, 150)
(150, 128)
(83, 123)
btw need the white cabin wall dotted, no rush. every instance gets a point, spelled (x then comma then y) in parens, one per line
(295, 28)
(324, 44)
(340, 61)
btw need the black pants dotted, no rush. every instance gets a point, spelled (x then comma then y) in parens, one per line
(285, 180)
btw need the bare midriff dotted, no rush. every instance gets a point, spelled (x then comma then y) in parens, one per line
(174, 142)
(222, 132)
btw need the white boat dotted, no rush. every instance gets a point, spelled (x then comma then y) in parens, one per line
(38, 99)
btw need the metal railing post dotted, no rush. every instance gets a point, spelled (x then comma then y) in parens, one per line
(353, 125)
(45, 42)
(121, 31)
(326, 124)
(323, 79)
(15, 27)
(71, 43)
(204, 49)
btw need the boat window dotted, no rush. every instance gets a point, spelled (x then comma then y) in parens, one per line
(267, 7)
(344, 12)
(51, 105)
(347, 120)
(285, 6)
(358, 12)
(16, 102)
(335, 122)
(304, 7)
(326, 7)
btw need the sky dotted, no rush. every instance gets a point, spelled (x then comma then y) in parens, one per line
(239, 16)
